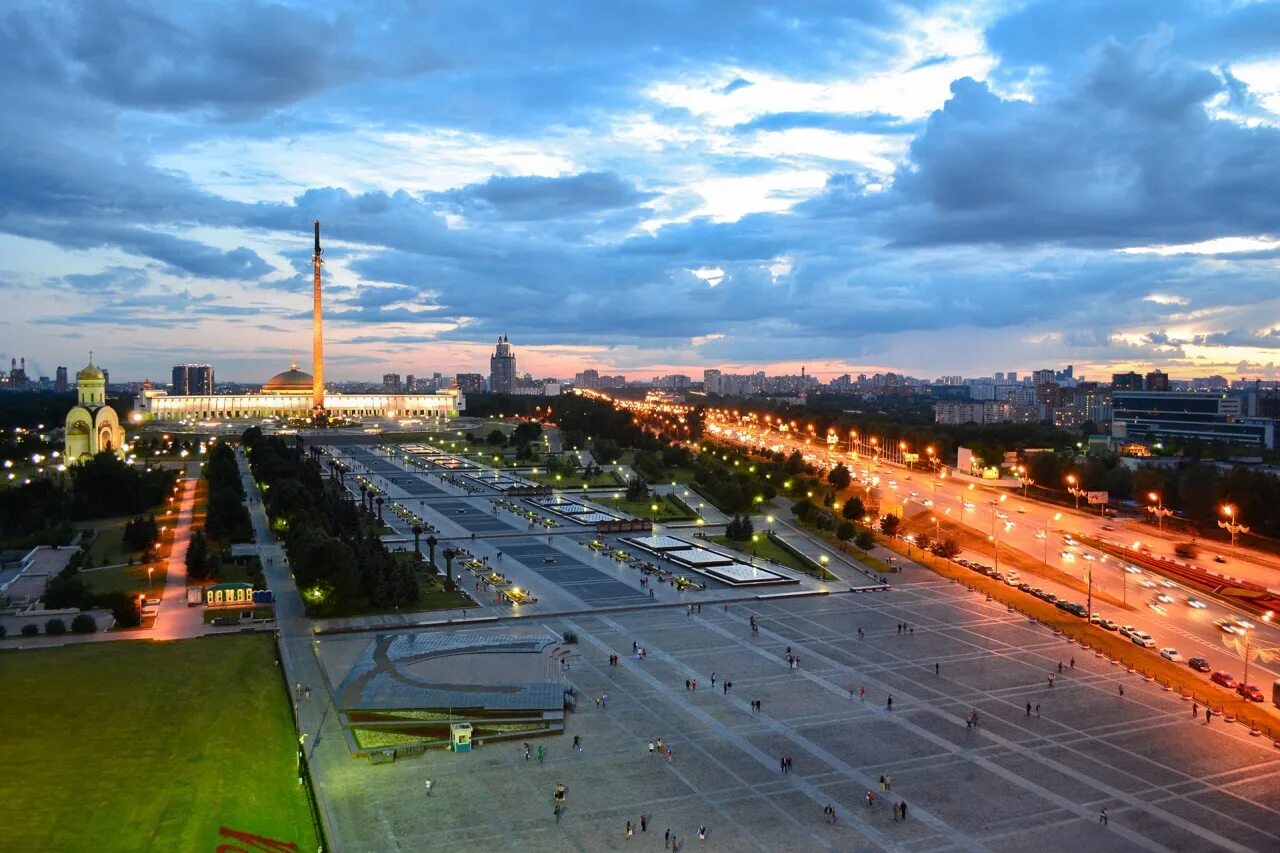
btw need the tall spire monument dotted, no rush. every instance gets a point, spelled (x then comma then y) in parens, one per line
(317, 332)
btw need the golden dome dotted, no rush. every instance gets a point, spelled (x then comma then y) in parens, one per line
(291, 381)
(91, 371)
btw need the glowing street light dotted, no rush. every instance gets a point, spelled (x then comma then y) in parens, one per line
(1157, 509)
(1231, 525)
(1071, 487)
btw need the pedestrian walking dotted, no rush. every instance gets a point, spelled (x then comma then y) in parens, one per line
(542, 752)
(889, 704)
(702, 833)
(860, 635)
(936, 667)
(644, 822)
(881, 783)
(577, 742)
(686, 684)
(628, 830)
(862, 694)
(428, 783)
(782, 763)
(660, 749)
(871, 799)
(1102, 817)
(895, 812)
(1121, 687)
(666, 839)
(902, 807)
(526, 752)
(888, 783)
(713, 679)
(1037, 710)
(1028, 709)
(1059, 667)
(604, 700)
(695, 685)
(670, 755)
(1073, 663)
(1195, 710)
(1208, 715)
(597, 701)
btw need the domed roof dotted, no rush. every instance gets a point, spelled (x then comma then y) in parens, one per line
(91, 371)
(291, 381)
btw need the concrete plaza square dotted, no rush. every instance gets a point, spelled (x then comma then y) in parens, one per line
(1014, 783)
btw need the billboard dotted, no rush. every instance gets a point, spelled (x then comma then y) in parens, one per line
(1097, 497)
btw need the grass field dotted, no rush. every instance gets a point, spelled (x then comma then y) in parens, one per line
(668, 509)
(148, 746)
(574, 481)
(127, 579)
(766, 549)
(107, 548)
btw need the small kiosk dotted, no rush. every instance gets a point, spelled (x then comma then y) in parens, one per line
(460, 736)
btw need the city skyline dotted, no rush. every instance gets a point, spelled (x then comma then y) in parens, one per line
(954, 188)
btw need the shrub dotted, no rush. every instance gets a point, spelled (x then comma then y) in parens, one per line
(55, 627)
(84, 624)
(3, 631)
(31, 629)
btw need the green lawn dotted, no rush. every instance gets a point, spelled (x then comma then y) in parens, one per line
(767, 549)
(127, 579)
(107, 548)
(149, 746)
(668, 509)
(573, 481)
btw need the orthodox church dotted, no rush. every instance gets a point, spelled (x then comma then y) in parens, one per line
(92, 426)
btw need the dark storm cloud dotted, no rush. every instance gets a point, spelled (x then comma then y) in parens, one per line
(533, 198)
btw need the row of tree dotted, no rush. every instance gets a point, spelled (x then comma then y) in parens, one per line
(335, 558)
(227, 518)
(140, 533)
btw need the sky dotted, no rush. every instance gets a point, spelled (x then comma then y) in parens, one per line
(926, 187)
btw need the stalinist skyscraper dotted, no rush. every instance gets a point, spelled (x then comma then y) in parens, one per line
(317, 332)
(502, 368)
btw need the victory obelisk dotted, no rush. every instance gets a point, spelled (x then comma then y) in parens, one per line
(317, 334)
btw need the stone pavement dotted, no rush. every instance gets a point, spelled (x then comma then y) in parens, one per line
(1016, 782)
(174, 619)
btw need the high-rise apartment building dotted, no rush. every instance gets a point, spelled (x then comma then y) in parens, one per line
(712, 381)
(391, 383)
(502, 368)
(470, 383)
(588, 379)
(1127, 382)
(191, 379)
(1157, 380)
(60, 383)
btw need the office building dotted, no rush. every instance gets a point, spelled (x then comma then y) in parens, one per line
(1157, 380)
(1154, 416)
(470, 383)
(191, 379)
(1127, 382)
(391, 383)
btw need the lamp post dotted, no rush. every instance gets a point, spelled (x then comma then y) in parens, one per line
(1071, 487)
(1157, 509)
(1048, 531)
(150, 569)
(1232, 526)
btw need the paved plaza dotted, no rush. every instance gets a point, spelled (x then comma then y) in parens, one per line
(1015, 782)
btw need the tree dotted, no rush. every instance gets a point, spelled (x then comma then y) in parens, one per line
(865, 540)
(923, 541)
(83, 624)
(840, 478)
(55, 627)
(946, 548)
(853, 509)
(845, 531)
(889, 525)
(197, 556)
(496, 437)
(637, 489)
(803, 509)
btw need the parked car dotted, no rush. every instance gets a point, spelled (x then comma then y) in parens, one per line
(1142, 638)
(1250, 692)
(1024, 586)
(1170, 654)
(1224, 678)
(1199, 664)
(1126, 631)
(1105, 624)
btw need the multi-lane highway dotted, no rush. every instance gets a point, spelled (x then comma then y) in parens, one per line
(1175, 616)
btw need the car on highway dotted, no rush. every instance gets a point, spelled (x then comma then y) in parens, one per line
(1170, 653)
(1199, 664)
(1196, 603)
(1158, 608)
(1133, 570)
(1242, 623)
(1002, 516)
(1226, 626)
(1022, 508)
(1164, 598)
(1218, 558)
(1224, 679)
(1168, 583)
(926, 502)
(1068, 557)
(1040, 534)
(1148, 584)
(1250, 692)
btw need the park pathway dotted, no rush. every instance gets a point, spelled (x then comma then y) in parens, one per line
(174, 619)
(316, 716)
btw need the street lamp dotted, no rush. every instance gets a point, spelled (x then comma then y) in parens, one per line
(1231, 525)
(1071, 487)
(150, 569)
(1157, 509)
(1048, 532)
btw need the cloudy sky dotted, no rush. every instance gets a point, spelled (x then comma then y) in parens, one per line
(929, 187)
